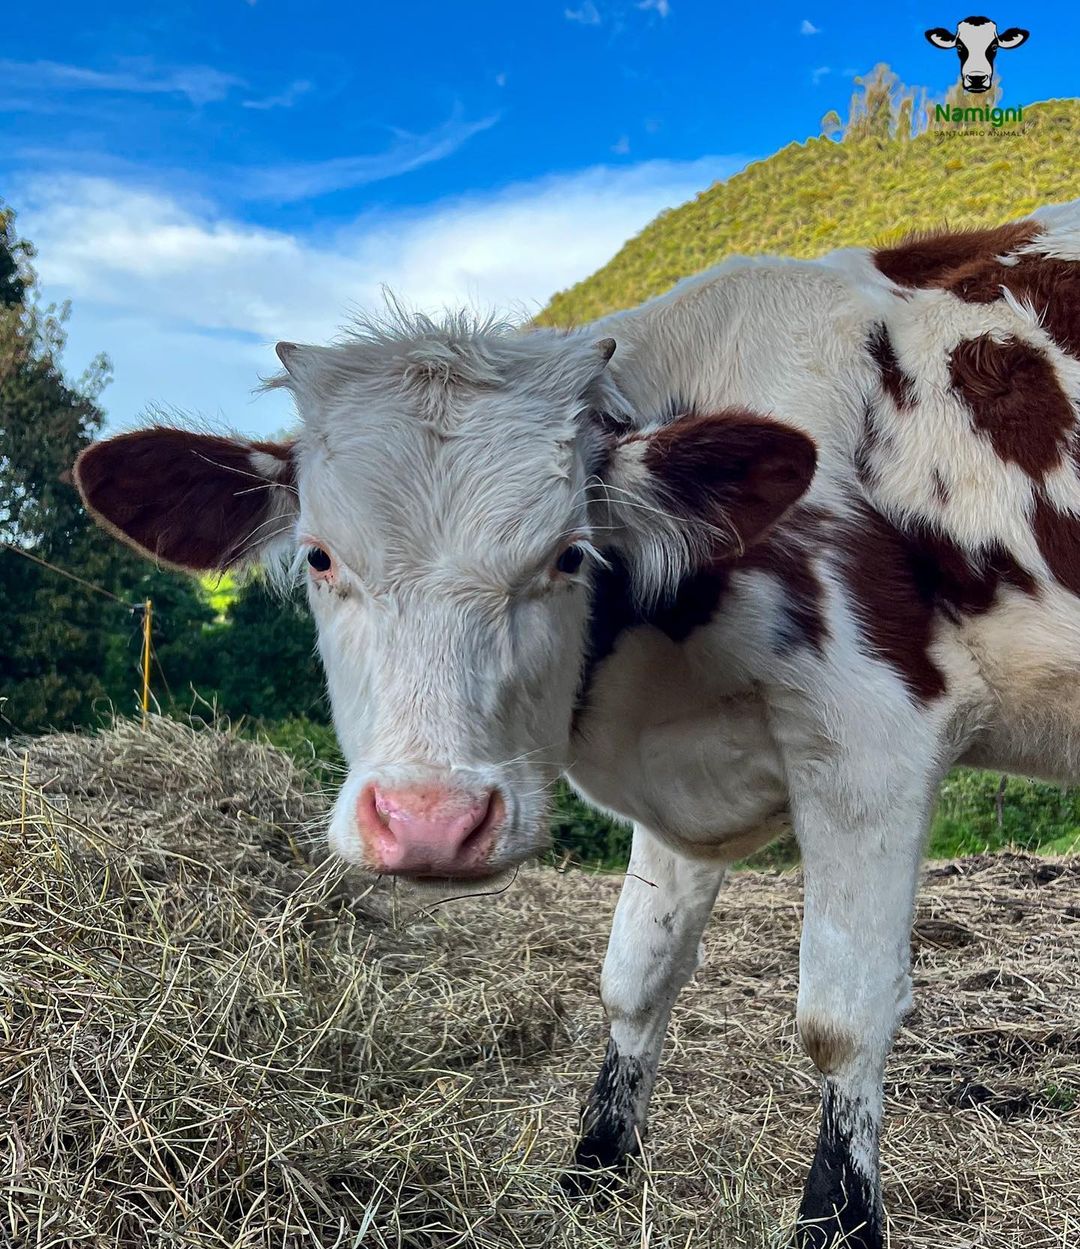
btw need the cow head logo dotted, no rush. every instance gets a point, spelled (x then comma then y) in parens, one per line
(977, 41)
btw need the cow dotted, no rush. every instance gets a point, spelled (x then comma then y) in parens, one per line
(977, 41)
(775, 549)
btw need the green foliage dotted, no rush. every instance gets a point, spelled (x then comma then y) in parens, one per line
(976, 812)
(811, 197)
(261, 660)
(584, 835)
(66, 652)
(221, 591)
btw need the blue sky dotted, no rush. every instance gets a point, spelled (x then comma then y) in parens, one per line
(204, 178)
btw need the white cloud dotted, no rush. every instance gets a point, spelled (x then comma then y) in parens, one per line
(808, 28)
(816, 75)
(188, 304)
(202, 84)
(662, 7)
(587, 15)
(285, 99)
(289, 183)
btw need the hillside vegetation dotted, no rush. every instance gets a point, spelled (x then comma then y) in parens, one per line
(815, 196)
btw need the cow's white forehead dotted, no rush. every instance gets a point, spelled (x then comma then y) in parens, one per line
(976, 32)
(422, 437)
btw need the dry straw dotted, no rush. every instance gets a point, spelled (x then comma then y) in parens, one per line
(210, 1039)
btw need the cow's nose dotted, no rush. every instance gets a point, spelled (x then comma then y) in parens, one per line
(429, 830)
(976, 82)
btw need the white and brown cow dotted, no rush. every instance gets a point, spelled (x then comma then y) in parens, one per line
(782, 545)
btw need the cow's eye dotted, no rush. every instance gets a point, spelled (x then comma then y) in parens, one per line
(319, 561)
(570, 560)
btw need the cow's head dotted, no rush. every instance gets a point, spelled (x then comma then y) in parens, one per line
(448, 501)
(977, 42)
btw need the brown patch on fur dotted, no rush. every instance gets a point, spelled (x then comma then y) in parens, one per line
(1050, 287)
(735, 470)
(872, 442)
(940, 487)
(786, 556)
(191, 501)
(929, 260)
(1015, 399)
(865, 448)
(1058, 536)
(899, 582)
(830, 1048)
(898, 385)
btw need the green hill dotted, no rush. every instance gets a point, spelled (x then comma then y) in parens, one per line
(812, 197)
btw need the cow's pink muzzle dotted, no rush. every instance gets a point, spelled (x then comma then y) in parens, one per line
(429, 830)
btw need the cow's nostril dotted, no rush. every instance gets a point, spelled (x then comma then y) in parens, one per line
(432, 829)
(490, 815)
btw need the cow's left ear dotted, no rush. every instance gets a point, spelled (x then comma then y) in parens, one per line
(1013, 37)
(941, 38)
(702, 490)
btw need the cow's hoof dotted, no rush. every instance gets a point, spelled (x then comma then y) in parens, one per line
(847, 1225)
(833, 1233)
(599, 1172)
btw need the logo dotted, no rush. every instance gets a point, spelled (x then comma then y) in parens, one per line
(977, 42)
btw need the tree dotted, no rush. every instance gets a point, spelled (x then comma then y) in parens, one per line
(64, 644)
(262, 661)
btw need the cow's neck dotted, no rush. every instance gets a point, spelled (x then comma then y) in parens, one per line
(781, 337)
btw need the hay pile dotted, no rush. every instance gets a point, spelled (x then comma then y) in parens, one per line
(212, 1040)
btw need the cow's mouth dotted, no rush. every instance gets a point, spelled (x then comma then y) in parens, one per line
(442, 888)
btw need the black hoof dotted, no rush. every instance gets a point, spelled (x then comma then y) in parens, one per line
(837, 1232)
(838, 1212)
(599, 1171)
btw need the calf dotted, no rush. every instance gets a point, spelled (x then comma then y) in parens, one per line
(779, 547)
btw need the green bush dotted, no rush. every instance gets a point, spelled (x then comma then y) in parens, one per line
(583, 835)
(972, 818)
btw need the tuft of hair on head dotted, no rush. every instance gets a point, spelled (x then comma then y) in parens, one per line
(434, 359)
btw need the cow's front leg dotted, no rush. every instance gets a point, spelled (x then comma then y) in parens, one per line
(653, 951)
(860, 866)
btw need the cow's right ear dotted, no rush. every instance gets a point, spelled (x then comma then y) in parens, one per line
(192, 501)
(701, 490)
(941, 38)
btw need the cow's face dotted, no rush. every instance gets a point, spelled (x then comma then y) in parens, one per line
(977, 42)
(448, 502)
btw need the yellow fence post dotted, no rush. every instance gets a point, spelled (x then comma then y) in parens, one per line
(148, 610)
